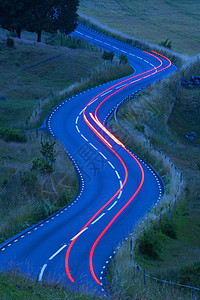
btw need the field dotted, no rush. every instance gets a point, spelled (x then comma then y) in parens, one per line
(152, 21)
(29, 72)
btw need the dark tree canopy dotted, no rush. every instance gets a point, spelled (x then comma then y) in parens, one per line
(13, 15)
(38, 15)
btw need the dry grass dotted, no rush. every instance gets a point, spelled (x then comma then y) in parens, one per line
(152, 21)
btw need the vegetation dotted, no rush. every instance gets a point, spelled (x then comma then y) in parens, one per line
(166, 44)
(15, 286)
(36, 16)
(180, 23)
(108, 55)
(31, 193)
(158, 120)
(26, 75)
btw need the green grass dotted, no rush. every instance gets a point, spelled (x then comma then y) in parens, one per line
(158, 117)
(29, 71)
(28, 196)
(152, 21)
(13, 286)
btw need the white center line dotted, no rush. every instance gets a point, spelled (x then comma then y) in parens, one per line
(119, 194)
(42, 272)
(98, 218)
(56, 253)
(79, 233)
(117, 174)
(79, 32)
(112, 205)
(106, 93)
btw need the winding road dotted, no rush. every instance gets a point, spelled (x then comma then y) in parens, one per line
(117, 188)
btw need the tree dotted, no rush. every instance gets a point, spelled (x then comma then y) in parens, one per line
(39, 15)
(14, 15)
(45, 163)
(53, 15)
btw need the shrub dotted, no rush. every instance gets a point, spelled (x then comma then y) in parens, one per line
(108, 55)
(150, 243)
(12, 135)
(168, 228)
(190, 275)
(123, 58)
(10, 42)
(166, 44)
(29, 180)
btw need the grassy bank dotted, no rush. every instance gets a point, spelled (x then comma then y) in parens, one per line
(108, 71)
(150, 21)
(14, 286)
(158, 119)
(29, 71)
(28, 196)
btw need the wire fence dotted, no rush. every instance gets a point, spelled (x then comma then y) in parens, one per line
(171, 284)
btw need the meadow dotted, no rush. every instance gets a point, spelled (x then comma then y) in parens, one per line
(151, 21)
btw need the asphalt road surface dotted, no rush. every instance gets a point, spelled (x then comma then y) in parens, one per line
(117, 188)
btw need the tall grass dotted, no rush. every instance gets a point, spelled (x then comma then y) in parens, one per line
(29, 196)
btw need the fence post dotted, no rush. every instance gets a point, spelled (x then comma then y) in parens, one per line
(131, 249)
(144, 277)
(138, 271)
(171, 287)
(192, 293)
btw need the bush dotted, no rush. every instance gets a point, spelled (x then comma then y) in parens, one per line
(190, 275)
(168, 228)
(29, 180)
(108, 55)
(166, 44)
(150, 243)
(10, 42)
(123, 58)
(12, 135)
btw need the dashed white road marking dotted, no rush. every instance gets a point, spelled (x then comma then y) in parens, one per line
(111, 165)
(117, 174)
(112, 205)
(106, 93)
(102, 155)
(98, 218)
(84, 137)
(42, 272)
(119, 194)
(79, 32)
(107, 44)
(115, 48)
(79, 233)
(56, 253)
(93, 146)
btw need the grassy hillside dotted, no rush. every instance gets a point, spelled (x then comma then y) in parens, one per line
(152, 21)
(158, 120)
(29, 71)
(15, 287)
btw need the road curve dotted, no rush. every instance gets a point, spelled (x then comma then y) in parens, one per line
(117, 188)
